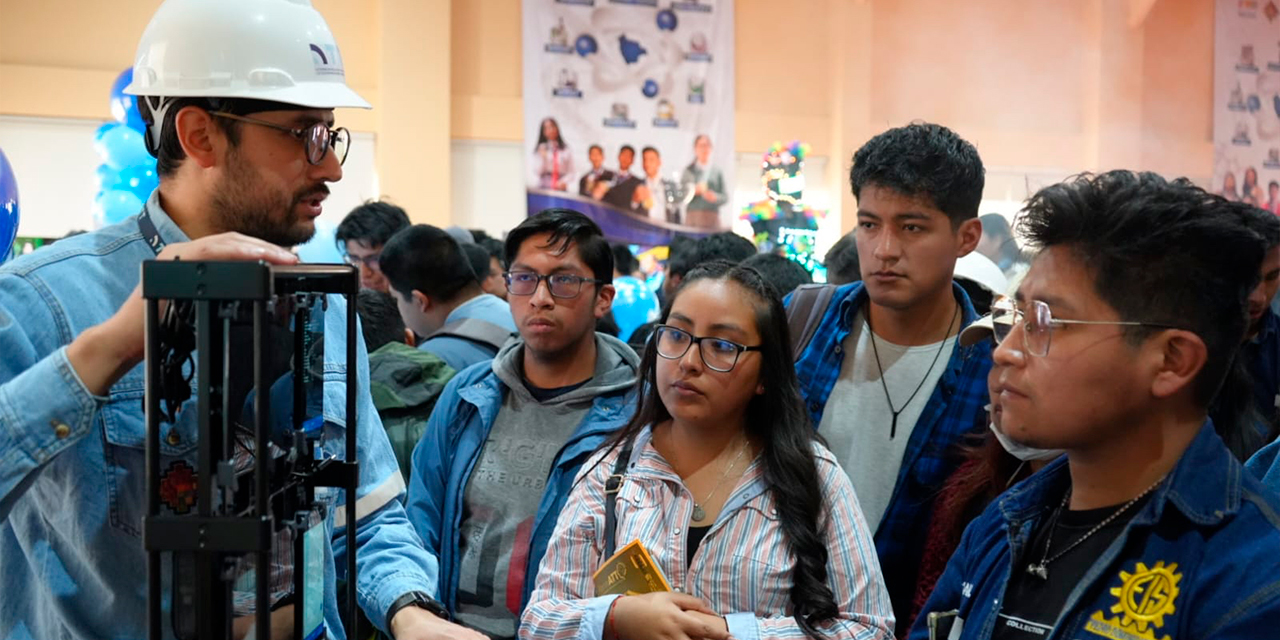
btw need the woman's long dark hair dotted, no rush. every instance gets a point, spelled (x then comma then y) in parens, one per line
(542, 133)
(777, 419)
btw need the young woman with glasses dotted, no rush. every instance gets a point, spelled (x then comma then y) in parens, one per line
(725, 482)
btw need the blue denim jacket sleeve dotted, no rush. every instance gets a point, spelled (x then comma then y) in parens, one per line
(391, 561)
(429, 481)
(1263, 466)
(44, 407)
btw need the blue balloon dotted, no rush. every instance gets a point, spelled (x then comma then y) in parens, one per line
(633, 305)
(586, 45)
(322, 247)
(8, 206)
(140, 180)
(124, 107)
(107, 178)
(115, 205)
(650, 88)
(667, 20)
(102, 131)
(122, 147)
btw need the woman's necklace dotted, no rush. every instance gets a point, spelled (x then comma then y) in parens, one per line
(699, 514)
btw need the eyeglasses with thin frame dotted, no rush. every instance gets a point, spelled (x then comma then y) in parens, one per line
(560, 285)
(317, 139)
(717, 353)
(1038, 324)
(370, 261)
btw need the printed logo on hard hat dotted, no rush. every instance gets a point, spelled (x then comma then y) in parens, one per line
(327, 59)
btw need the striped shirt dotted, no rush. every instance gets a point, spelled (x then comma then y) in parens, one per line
(742, 568)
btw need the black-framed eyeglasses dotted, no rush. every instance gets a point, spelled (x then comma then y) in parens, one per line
(717, 353)
(560, 285)
(370, 261)
(317, 139)
(1038, 324)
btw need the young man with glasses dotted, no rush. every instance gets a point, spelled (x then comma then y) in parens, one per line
(884, 379)
(361, 236)
(506, 441)
(440, 297)
(244, 167)
(1123, 332)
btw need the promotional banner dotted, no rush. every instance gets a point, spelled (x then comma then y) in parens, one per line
(1246, 102)
(629, 113)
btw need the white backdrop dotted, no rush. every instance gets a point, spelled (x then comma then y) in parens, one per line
(680, 86)
(1246, 96)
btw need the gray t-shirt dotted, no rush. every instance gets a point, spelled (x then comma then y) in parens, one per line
(505, 487)
(500, 502)
(857, 419)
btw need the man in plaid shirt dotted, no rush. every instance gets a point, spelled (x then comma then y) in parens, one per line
(884, 378)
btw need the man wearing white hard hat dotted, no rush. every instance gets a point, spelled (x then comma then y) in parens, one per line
(239, 97)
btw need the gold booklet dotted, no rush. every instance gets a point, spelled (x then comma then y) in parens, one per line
(630, 572)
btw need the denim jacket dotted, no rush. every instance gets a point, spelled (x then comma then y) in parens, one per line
(1201, 559)
(72, 564)
(451, 447)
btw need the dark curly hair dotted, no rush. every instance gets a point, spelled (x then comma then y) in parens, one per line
(923, 160)
(1160, 252)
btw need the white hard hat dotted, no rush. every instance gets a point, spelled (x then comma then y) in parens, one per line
(274, 50)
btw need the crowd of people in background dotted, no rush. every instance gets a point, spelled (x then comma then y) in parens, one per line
(1075, 438)
(884, 385)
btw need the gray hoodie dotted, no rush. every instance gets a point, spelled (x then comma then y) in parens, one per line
(506, 485)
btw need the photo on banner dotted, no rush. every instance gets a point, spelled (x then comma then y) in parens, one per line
(1246, 102)
(628, 114)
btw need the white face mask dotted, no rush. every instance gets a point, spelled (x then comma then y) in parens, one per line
(1022, 451)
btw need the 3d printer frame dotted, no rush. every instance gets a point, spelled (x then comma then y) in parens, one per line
(216, 532)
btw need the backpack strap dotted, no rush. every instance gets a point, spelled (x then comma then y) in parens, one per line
(611, 488)
(808, 306)
(476, 330)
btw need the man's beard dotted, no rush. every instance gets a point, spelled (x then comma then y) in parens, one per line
(243, 204)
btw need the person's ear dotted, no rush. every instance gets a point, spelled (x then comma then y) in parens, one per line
(970, 233)
(1177, 357)
(421, 301)
(604, 300)
(198, 136)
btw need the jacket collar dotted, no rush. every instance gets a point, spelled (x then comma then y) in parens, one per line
(851, 297)
(1205, 486)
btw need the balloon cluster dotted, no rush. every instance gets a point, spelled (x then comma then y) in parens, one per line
(127, 175)
(8, 207)
(634, 304)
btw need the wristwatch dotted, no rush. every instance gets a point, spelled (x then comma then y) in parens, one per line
(416, 599)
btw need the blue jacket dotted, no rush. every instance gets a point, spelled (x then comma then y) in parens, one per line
(456, 433)
(1201, 559)
(72, 564)
(956, 408)
(460, 353)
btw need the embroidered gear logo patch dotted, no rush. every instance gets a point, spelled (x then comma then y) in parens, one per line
(1143, 599)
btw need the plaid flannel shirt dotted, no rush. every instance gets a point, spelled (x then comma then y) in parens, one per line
(954, 411)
